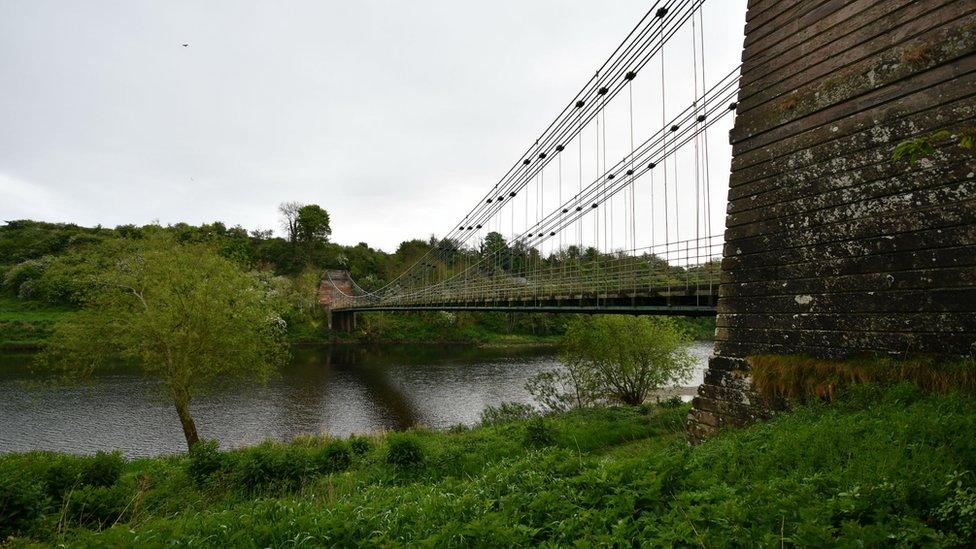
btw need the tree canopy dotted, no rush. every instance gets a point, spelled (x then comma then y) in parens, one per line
(629, 356)
(182, 313)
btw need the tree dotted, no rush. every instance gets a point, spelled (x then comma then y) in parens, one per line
(576, 386)
(631, 355)
(289, 219)
(183, 314)
(312, 224)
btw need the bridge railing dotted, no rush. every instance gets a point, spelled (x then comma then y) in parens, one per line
(689, 267)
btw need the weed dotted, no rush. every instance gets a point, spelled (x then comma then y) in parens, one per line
(404, 451)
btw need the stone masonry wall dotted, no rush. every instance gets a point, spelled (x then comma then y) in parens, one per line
(833, 249)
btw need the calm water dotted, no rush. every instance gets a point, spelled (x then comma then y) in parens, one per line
(324, 390)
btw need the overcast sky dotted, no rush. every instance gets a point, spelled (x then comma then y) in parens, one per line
(394, 116)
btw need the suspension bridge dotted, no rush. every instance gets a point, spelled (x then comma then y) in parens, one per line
(831, 247)
(608, 210)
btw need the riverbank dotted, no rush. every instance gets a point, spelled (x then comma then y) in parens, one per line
(25, 325)
(476, 329)
(879, 467)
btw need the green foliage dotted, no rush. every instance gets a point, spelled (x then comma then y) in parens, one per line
(624, 357)
(460, 327)
(22, 503)
(404, 451)
(97, 506)
(62, 265)
(917, 147)
(957, 514)
(66, 473)
(335, 457)
(360, 444)
(673, 402)
(203, 461)
(103, 469)
(576, 385)
(61, 476)
(507, 412)
(923, 146)
(697, 328)
(538, 433)
(27, 324)
(271, 468)
(312, 224)
(880, 467)
(182, 313)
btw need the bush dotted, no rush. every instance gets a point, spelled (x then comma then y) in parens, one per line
(102, 469)
(404, 451)
(334, 458)
(538, 433)
(98, 506)
(958, 513)
(204, 460)
(507, 412)
(360, 444)
(671, 403)
(62, 476)
(24, 274)
(271, 466)
(65, 473)
(624, 358)
(21, 503)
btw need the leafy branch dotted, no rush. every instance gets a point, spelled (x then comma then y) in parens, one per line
(923, 147)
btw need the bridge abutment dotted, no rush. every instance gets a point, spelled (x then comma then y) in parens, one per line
(343, 321)
(833, 248)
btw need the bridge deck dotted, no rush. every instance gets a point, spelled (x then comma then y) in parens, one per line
(684, 302)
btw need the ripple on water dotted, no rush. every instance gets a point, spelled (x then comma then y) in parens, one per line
(336, 391)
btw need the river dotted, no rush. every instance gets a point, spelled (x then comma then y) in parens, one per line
(334, 390)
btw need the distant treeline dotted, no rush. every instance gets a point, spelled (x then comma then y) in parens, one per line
(36, 258)
(52, 263)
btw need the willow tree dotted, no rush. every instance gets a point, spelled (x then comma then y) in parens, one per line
(182, 313)
(630, 356)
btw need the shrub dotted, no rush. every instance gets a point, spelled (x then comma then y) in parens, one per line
(360, 444)
(624, 357)
(335, 457)
(62, 476)
(671, 403)
(65, 473)
(102, 469)
(25, 273)
(97, 506)
(271, 466)
(575, 385)
(507, 412)
(204, 460)
(21, 503)
(404, 451)
(958, 513)
(538, 433)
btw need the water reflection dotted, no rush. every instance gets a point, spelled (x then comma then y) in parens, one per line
(337, 390)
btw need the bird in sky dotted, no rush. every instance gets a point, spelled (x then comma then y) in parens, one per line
(185, 45)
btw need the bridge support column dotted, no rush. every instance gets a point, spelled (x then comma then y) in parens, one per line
(832, 247)
(344, 321)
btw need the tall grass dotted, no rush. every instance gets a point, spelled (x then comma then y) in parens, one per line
(802, 378)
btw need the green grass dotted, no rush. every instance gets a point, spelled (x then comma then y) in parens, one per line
(27, 324)
(879, 467)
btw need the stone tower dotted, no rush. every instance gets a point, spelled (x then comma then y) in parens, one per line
(832, 248)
